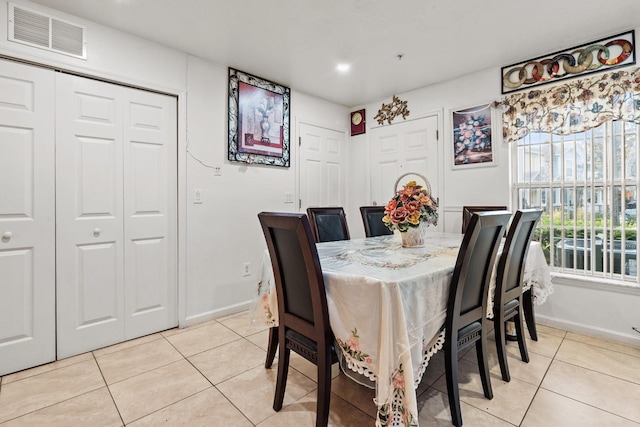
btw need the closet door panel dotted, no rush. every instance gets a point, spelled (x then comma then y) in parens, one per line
(89, 184)
(150, 194)
(27, 227)
(322, 172)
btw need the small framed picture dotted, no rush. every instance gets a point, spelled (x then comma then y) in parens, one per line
(358, 122)
(473, 137)
(258, 120)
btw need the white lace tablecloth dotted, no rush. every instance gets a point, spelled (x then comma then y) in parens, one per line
(387, 307)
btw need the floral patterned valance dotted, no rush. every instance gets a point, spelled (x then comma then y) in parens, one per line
(572, 107)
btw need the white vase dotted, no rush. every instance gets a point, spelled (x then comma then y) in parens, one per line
(414, 237)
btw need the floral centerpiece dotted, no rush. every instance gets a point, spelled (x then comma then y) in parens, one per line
(411, 211)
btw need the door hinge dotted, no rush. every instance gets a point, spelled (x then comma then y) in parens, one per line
(437, 134)
(299, 204)
(299, 141)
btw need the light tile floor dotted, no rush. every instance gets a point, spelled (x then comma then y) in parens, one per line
(212, 374)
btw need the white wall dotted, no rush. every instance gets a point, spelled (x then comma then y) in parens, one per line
(111, 55)
(219, 235)
(224, 231)
(475, 186)
(593, 308)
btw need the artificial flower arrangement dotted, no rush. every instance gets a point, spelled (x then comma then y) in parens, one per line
(409, 207)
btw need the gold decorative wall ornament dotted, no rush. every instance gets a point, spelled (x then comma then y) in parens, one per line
(389, 112)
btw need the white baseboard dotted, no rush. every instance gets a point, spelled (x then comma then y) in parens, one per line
(216, 314)
(579, 328)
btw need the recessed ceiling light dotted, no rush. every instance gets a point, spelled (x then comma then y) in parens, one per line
(343, 68)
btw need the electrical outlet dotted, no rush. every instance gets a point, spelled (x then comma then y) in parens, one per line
(217, 170)
(246, 269)
(288, 197)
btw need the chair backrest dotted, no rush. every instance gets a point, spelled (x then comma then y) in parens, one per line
(514, 254)
(372, 220)
(474, 265)
(328, 224)
(302, 300)
(467, 211)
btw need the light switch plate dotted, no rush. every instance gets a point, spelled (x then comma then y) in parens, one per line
(197, 196)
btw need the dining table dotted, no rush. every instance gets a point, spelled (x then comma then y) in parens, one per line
(387, 308)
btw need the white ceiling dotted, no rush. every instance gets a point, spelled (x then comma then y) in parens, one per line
(298, 43)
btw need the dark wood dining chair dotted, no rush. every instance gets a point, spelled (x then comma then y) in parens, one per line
(302, 303)
(529, 313)
(328, 224)
(466, 321)
(467, 211)
(508, 302)
(372, 221)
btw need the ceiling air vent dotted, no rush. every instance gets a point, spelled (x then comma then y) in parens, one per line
(46, 32)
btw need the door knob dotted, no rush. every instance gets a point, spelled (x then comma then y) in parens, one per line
(6, 236)
(96, 232)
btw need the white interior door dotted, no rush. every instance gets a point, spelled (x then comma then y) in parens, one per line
(89, 224)
(322, 170)
(150, 197)
(116, 213)
(409, 146)
(27, 217)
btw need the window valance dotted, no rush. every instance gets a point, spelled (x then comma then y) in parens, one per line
(572, 107)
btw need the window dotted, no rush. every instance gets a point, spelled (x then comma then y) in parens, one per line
(587, 184)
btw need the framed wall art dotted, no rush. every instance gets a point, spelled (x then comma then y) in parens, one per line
(599, 55)
(473, 137)
(258, 120)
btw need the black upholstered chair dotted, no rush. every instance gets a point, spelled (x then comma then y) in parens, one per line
(466, 321)
(508, 302)
(467, 211)
(302, 303)
(372, 220)
(328, 224)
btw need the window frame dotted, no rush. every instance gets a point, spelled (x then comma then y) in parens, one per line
(606, 277)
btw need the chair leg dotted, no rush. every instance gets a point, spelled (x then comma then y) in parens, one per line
(451, 372)
(522, 340)
(483, 364)
(500, 332)
(529, 314)
(281, 381)
(272, 347)
(324, 389)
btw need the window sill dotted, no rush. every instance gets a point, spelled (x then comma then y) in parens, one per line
(597, 283)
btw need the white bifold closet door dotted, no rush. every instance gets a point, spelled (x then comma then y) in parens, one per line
(115, 213)
(27, 217)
